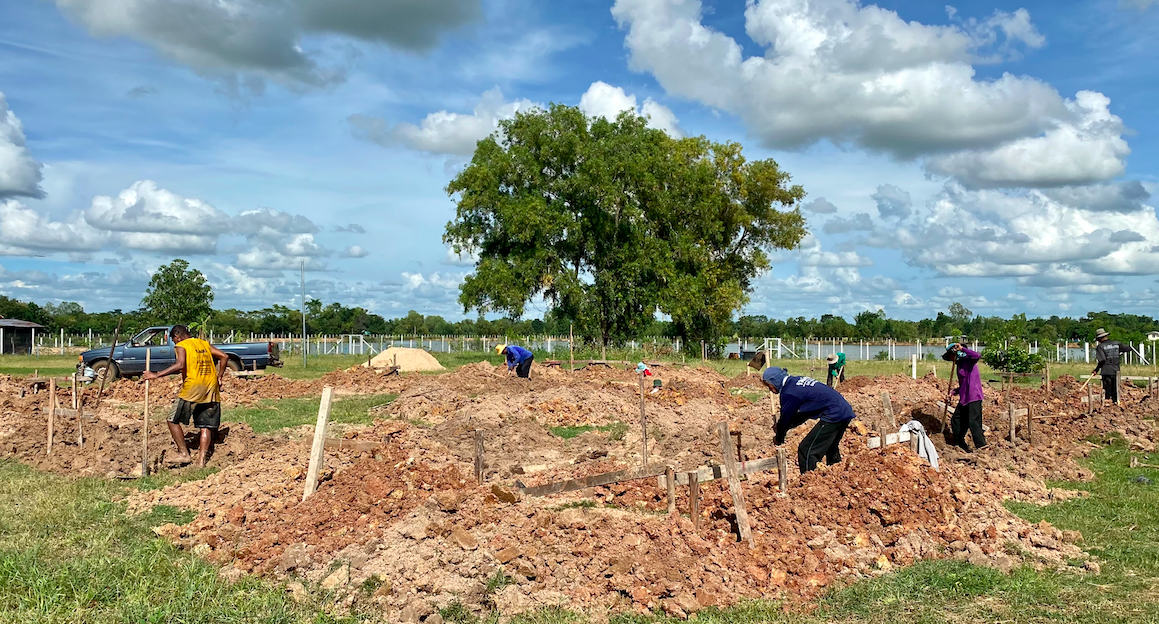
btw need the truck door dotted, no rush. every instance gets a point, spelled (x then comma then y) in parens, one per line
(161, 353)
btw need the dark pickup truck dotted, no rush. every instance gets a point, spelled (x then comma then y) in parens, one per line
(129, 357)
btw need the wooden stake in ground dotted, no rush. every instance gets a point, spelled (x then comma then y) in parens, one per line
(111, 364)
(319, 442)
(670, 475)
(888, 422)
(949, 393)
(643, 425)
(730, 469)
(51, 413)
(571, 346)
(782, 471)
(1090, 397)
(1046, 379)
(694, 498)
(1013, 422)
(145, 422)
(479, 456)
(78, 401)
(1009, 380)
(1029, 419)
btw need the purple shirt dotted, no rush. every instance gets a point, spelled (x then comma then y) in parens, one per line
(969, 379)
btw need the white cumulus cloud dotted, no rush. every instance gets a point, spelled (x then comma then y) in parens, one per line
(20, 173)
(26, 232)
(847, 73)
(150, 218)
(442, 132)
(1086, 147)
(604, 100)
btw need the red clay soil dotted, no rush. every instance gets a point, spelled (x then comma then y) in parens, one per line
(113, 449)
(407, 516)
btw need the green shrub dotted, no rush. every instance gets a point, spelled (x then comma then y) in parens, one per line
(1013, 359)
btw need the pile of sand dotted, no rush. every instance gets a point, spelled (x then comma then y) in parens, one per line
(407, 360)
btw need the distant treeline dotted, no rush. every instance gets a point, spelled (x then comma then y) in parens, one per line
(336, 318)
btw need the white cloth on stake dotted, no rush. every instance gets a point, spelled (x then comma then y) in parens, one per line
(926, 448)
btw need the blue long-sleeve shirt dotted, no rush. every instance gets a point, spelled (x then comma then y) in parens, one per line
(516, 356)
(804, 398)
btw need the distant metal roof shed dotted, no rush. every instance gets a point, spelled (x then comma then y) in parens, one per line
(18, 324)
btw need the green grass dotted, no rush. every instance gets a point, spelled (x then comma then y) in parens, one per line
(614, 430)
(25, 365)
(68, 553)
(273, 414)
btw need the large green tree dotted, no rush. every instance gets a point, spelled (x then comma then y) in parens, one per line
(178, 294)
(612, 221)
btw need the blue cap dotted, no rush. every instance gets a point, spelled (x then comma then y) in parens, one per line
(775, 376)
(641, 367)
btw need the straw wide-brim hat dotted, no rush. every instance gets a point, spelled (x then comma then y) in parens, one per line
(1101, 333)
(500, 348)
(832, 359)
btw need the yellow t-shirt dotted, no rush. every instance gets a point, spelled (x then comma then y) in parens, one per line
(200, 373)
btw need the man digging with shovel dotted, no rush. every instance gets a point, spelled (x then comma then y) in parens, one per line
(968, 414)
(804, 398)
(200, 398)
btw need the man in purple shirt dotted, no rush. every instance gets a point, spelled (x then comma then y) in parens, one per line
(968, 414)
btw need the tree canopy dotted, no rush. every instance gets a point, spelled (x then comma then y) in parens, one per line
(612, 222)
(178, 294)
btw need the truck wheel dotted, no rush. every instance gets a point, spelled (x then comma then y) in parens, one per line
(233, 365)
(105, 368)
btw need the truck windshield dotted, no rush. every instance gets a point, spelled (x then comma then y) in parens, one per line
(151, 338)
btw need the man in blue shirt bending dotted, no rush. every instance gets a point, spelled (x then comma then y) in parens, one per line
(804, 398)
(518, 359)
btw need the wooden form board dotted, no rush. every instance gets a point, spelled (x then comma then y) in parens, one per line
(890, 439)
(712, 473)
(607, 478)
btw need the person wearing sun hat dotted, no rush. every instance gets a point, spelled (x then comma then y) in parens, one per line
(518, 359)
(836, 375)
(802, 399)
(968, 413)
(1107, 355)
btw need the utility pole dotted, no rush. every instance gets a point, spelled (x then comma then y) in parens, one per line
(303, 315)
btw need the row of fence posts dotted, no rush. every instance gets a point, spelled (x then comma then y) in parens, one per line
(361, 344)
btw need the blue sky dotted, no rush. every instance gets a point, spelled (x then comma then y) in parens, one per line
(1001, 154)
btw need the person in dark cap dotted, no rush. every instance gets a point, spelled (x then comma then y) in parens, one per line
(802, 399)
(1107, 366)
(968, 414)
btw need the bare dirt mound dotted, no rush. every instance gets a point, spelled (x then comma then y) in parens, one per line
(408, 515)
(113, 448)
(432, 537)
(407, 360)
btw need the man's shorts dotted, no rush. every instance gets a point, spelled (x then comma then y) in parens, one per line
(203, 415)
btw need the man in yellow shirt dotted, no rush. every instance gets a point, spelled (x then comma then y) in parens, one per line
(200, 398)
